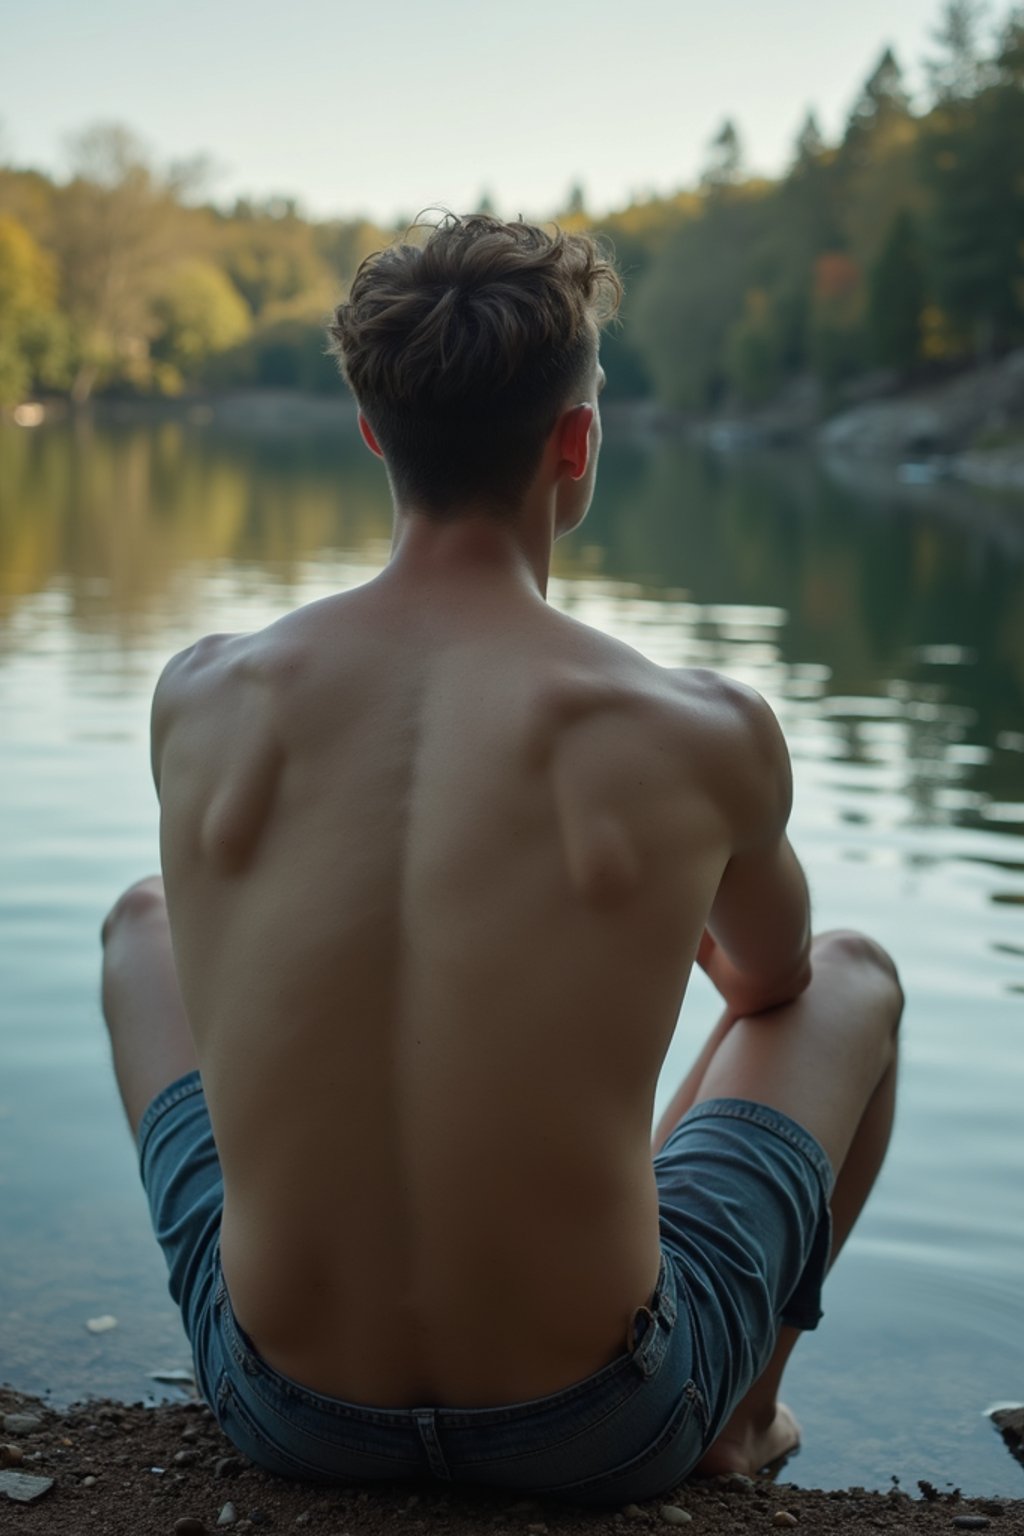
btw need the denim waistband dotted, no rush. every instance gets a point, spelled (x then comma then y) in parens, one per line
(648, 1337)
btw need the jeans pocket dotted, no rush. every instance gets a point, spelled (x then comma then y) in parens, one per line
(245, 1432)
(665, 1461)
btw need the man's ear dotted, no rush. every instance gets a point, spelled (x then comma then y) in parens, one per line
(574, 440)
(366, 432)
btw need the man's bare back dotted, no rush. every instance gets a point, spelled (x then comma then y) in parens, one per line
(438, 861)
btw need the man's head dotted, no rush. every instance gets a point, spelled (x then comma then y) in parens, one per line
(464, 352)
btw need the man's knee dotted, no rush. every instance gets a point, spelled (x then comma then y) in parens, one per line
(140, 903)
(856, 952)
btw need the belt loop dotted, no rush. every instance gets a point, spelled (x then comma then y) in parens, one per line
(426, 1423)
(667, 1303)
(635, 1337)
(650, 1327)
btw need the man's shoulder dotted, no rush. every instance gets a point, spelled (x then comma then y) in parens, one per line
(724, 704)
(195, 681)
(219, 664)
(214, 695)
(202, 661)
(625, 708)
(742, 742)
(609, 678)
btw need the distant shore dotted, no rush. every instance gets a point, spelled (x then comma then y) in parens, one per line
(968, 428)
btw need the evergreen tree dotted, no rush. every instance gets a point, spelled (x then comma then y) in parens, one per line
(883, 98)
(695, 292)
(1009, 64)
(576, 202)
(725, 164)
(810, 145)
(809, 216)
(957, 72)
(806, 221)
(876, 174)
(754, 350)
(896, 297)
(973, 166)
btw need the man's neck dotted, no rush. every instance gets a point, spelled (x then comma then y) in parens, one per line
(514, 547)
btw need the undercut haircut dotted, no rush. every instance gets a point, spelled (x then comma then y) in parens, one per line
(463, 350)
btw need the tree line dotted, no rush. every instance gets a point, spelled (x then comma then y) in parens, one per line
(898, 248)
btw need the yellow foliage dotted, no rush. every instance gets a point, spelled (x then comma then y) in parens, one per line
(938, 338)
(28, 279)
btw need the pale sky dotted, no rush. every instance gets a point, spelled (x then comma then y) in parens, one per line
(390, 106)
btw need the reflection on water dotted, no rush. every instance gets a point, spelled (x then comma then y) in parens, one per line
(887, 629)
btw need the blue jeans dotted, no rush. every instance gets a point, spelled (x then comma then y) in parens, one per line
(745, 1233)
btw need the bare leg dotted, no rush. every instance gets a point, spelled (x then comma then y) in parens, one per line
(149, 1033)
(685, 1096)
(828, 1060)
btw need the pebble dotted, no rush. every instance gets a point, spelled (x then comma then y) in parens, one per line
(538, 1528)
(634, 1511)
(227, 1466)
(736, 1480)
(971, 1522)
(186, 1458)
(672, 1514)
(90, 1481)
(784, 1517)
(21, 1423)
(188, 1525)
(191, 1432)
(11, 1455)
(303, 1517)
(228, 1515)
(23, 1487)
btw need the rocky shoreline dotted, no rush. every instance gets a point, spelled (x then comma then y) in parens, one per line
(970, 427)
(967, 428)
(114, 1469)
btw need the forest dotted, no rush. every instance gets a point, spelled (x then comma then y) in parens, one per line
(896, 253)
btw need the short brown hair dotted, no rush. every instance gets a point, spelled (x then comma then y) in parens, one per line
(463, 350)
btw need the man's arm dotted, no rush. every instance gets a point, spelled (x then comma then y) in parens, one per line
(756, 949)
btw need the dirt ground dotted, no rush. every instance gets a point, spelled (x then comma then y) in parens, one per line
(120, 1470)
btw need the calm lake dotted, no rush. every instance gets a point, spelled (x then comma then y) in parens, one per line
(885, 623)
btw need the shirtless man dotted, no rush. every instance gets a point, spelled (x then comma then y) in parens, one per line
(438, 863)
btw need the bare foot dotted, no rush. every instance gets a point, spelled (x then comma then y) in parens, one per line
(746, 1445)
